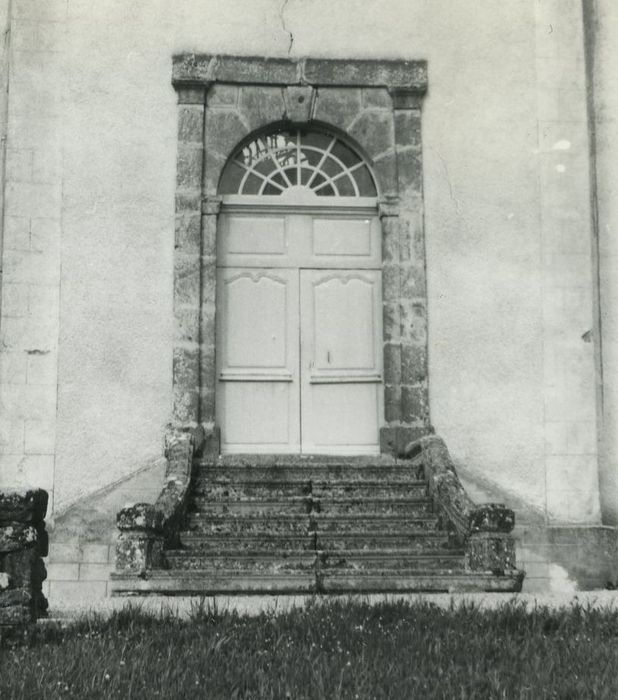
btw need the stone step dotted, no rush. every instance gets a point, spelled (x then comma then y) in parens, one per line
(200, 582)
(275, 560)
(374, 489)
(384, 559)
(298, 523)
(292, 505)
(242, 524)
(227, 490)
(321, 472)
(372, 523)
(412, 507)
(214, 543)
(421, 541)
(260, 561)
(300, 460)
(401, 580)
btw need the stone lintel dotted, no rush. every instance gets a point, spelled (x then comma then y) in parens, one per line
(190, 69)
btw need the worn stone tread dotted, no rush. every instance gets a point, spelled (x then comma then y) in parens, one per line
(199, 582)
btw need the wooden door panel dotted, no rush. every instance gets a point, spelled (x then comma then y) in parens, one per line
(341, 370)
(257, 360)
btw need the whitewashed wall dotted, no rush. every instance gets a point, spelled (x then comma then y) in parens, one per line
(87, 287)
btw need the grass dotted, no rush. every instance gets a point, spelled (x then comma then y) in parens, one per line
(330, 650)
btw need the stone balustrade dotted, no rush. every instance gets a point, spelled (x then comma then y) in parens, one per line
(483, 530)
(23, 544)
(146, 529)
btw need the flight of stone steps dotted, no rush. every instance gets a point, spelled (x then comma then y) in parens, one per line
(288, 524)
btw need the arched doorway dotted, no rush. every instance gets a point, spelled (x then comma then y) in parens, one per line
(299, 302)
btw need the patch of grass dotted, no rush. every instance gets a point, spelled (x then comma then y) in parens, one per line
(328, 650)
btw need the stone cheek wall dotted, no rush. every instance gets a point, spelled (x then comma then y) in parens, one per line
(145, 528)
(23, 544)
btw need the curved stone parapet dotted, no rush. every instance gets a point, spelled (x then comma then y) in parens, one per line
(484, 529)
(146, 529)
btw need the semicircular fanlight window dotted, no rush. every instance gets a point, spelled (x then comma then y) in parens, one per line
(275, 162)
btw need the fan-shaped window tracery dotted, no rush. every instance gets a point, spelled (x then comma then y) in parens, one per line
(275, 162)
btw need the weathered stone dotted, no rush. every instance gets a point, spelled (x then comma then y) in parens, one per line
(392, 363)
(413, 364)
(213, 166)
(392, 403)
(405, 98)
(137, 552)
(407, 129)
(374, 132)
(187, 324)
(5, 581)
(414, 404)
(25, 506)
(390, 283)
(413, 322)
(188, 201)
(490, 552)
(192, 93)
(189, 166)
(385, 171)
(410, 169)
(338, 107)
(191, 124)
(209, 235)
(491, 517)
(299, 103)
(16, 536)
(412, 281)
(224, 131)
(185, 372)
(187, 238)
(260, 106)
(186, 279)
(24, 567)
(140, 517)
(207, 404)
(225, 96)
(390, 239)
(391, 321)
(376, 98)
(192, 68)
(209, 279)
(15, 614)
(366, 73)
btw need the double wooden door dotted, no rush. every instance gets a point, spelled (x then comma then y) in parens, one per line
(299, 333)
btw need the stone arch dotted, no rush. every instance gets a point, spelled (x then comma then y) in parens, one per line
(376, 104)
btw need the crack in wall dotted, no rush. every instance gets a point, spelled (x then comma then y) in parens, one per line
(284, 25)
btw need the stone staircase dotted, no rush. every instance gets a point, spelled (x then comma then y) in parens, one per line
(296, 524)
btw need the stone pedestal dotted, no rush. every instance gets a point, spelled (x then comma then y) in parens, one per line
(23, 544)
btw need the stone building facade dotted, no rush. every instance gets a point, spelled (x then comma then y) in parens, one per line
(490, 133)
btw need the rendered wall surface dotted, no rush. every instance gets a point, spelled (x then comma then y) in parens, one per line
(89, 230)
(603, 17)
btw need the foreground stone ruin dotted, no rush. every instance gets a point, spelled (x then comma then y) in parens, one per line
(23, 544)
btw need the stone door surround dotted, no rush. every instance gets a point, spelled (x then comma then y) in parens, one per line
(375, 105)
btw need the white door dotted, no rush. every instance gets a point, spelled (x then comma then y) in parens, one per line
(340, 356)
(299, 333)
